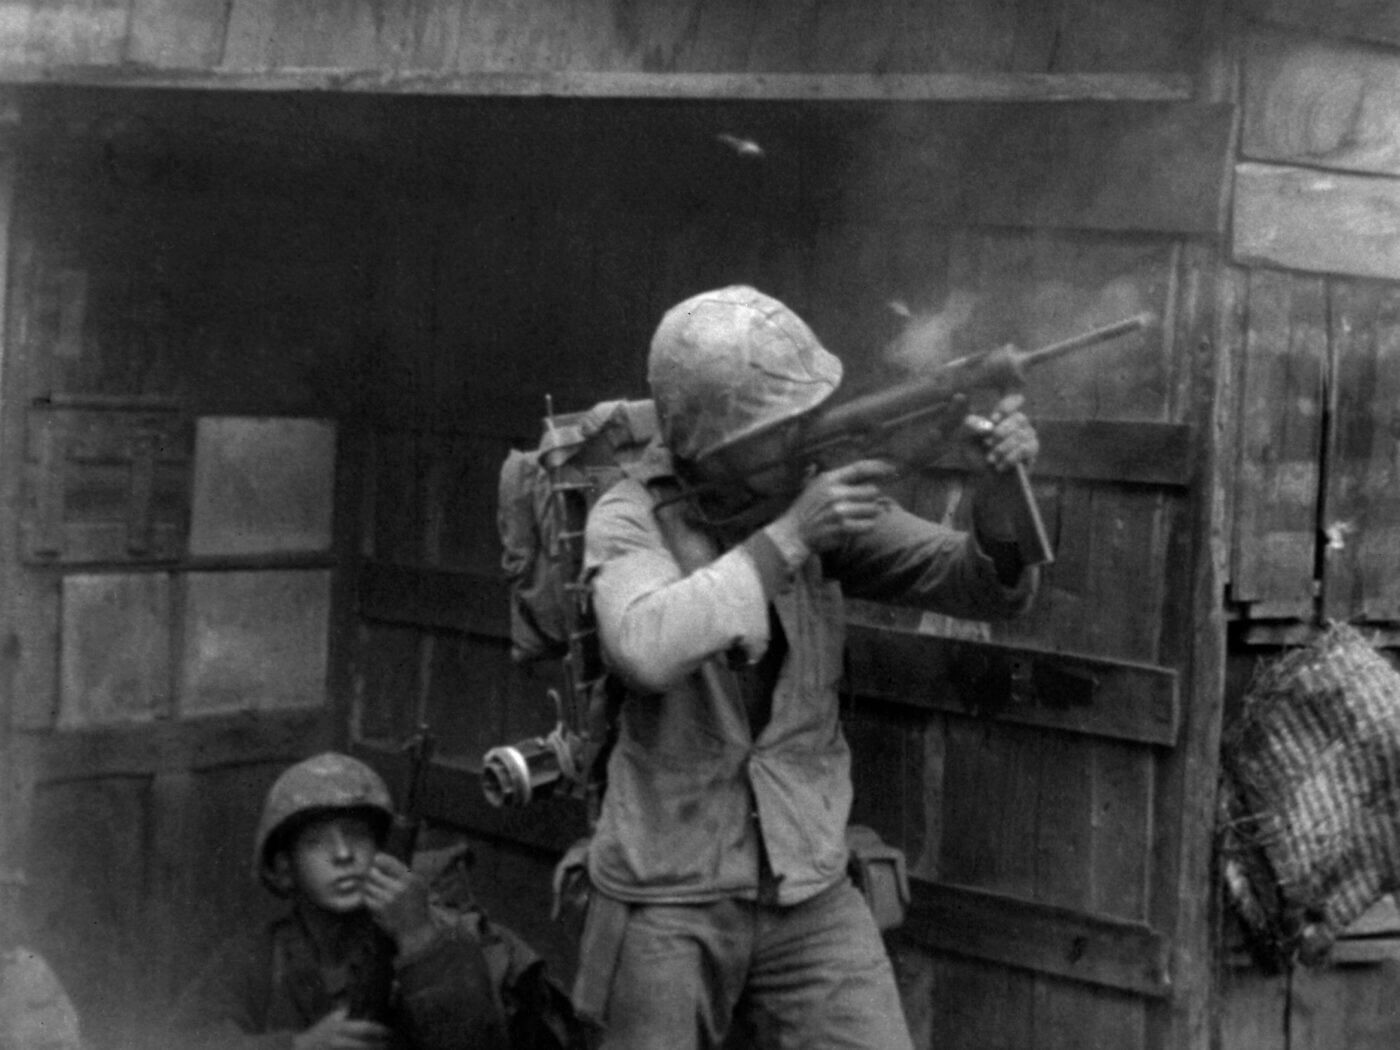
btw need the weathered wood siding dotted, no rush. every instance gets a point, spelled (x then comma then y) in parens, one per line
(1310, 363)
(514, 37)
(1044, 815)
(1313, 228)
(425, 270)
(147, 279)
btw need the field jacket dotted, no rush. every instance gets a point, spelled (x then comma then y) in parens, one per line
(690, 790)
(264, 986)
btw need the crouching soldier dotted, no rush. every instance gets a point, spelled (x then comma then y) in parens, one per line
(361, 958)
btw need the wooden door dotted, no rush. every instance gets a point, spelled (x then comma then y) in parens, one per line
(1051, 781)
(169, 543)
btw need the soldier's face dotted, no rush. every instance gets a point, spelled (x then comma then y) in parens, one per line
(763, 464)
(330, 858)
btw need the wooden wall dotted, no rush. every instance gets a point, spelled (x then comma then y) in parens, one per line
(152, 280)
(1043, 831)
(1311, 302)
(434, 237)
(526, 46)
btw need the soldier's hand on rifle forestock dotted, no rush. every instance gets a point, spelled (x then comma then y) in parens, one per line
(837, 504)
(1004, 436)
(337, 1031)
(397, 899)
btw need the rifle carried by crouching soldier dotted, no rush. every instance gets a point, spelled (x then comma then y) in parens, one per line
(371, 996)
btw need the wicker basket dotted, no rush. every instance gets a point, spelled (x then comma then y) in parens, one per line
(1310, 796)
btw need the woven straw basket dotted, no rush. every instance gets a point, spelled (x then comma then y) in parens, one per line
(1310, 796)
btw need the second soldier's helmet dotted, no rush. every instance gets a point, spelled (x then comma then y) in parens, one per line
(324, 783)
(730, 364)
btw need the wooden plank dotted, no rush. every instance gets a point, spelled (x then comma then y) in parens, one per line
(178, 34)
(455, 600)
(1377, 20)
(1183, 886)
(1069, 691)
(77, 31)
(988, 805)
(1135, 452)
(1127, 540)
(1291, 633)
(1069, 1015)
(1123, 782)
(832, 87)
(1318, 102)
(1156, 168)
(1063, 837)
(1061, 942)
(124, 751)
(1280, 414)
(1361, 511)
(1127, 34)
(781, 36)
(1351, 1006)
(974, 1005)
(29, 603)
(1318, 222)
(1231, 341)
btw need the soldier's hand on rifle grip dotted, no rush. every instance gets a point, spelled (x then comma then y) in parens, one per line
(837, 504)
(1004, 436)
(337, 1031)
(397, 900)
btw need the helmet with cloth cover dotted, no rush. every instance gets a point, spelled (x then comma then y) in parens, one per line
(326, 783)
(730, 364)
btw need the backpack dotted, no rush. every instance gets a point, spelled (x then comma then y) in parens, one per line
(544, 497)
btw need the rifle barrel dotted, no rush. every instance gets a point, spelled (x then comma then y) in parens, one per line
(1094, 335)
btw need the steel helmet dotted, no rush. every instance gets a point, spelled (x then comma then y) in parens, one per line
(728, 364)
(328, 781)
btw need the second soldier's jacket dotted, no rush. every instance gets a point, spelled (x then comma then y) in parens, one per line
(265, 986)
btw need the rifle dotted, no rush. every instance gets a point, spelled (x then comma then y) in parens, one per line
(402, 840)
(372, 988)
(929, 406)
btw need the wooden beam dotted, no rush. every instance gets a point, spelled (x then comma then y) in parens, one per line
(1377, 20)
(1316, 221)
(1080, 946)
(1068, 691)
(1324, 103)
(1139, 452)
(768, 87)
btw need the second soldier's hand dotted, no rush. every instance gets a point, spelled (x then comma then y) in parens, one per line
(838, 504)
(337, 1031)
(397, 900)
